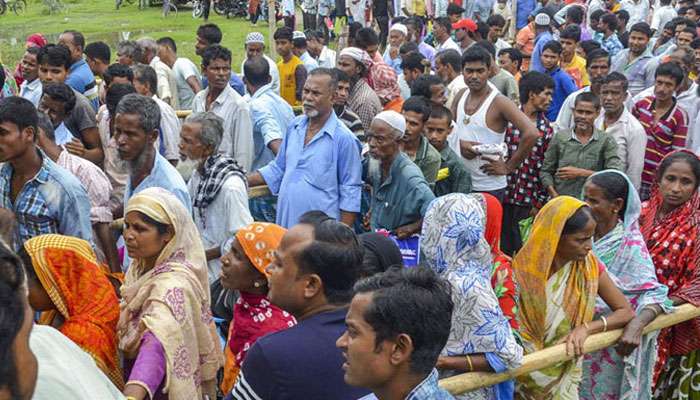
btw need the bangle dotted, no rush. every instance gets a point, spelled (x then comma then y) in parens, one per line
(605, 323)
(469, 363)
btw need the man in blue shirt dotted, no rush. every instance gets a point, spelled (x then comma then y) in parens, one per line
(543, 35)
(80, 75)
(44, 197)
(564, 84)
(318, 166)
(609, 40)
(396, 358)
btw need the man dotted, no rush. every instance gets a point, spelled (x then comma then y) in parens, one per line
(318, 166)
(685, 37)
(618, 122)
(381, 77)
(452, 176)
(609, 40)
(454, 12)
(217, 185)
(574, 155)
(58, 101)
(661, 45)
(448, 66)
(415, 34)
(497, 25)
(572, 63)
(400, 194)
(291, 68)
(54, 64)
(442, 29)
(340, 100)
(128, 53)
(431, 88)
(167, 85)
(564, 84)
(207, 35)
(44, 197)
(414, 144)
(187, 78)
(392, 352)
(319, 51)
(145, 83)
(255, 47)
(638, 10)
(511, 60)
(623, 33)
(225, 102)
(136, 125)
(311, 277)
(80, 76)
(482, 116)
(30, 88)
(500, 78)
(362, 100)
(637, 62)
(663, 15)
(543, 35)
(98, 56)
(525, 41)
(299, 50)
(413, 66)
(90, 176)
(465, 30)
(381, 14)
(525, 191)
(665, 123)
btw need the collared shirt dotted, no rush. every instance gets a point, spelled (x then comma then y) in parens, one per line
(237, 141)
(428, 389)
(663, 137)
(428, 160)
(564, 85)
(611, 44)
(310, 63)
(32, 91)
(167, 85)
(165, 176)
(53, 201)
(524, 185)
(224, 216)
(453, 176)
(640, 72)
(535, 60)
(271, 117)
(183, 69)
(364, 102)
(94, 181)
(274, 72)
(80, 78)
(323, 174)
(399, 199)
(631, 142)
(689, 101)
(62, 135)
(565, 150)
(169, 135)
(447, 45)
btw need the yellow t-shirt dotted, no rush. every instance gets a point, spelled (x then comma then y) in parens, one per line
(577, 70)
(288, 82)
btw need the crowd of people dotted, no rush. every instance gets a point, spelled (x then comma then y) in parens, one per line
(445, 189)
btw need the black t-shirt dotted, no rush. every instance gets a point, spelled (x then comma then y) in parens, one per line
(339, 8)
(380, 8)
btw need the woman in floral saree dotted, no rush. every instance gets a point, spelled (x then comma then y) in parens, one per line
(560, 278)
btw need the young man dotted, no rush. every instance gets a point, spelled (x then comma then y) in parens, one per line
(660, 45)
(685, 37)
(318, 166)
(400, 194)
(448, 66)
(413, 66)
(525, 191)
(431, 88)
(415, 34)
(217, 185)
(497, 25)
(98, 57)
(618, 122)
(389, 351)
(381, 76)
(667, 132)
(511, 60)
(413, 143)
(443, 40)
(362, 99)
(572, 63)
(207, 35)
(44, 197)
(225, 102)
(58, 101)
(340, 100)
(255, 47)
(500, 78)
(291, 68)
(482, 116)
(167, 85)
(54, 64)
(187, 77)
(574, 155)
(637, 62)
(80, 77)
(319, 51)
(452, 176)
(564, 84)
(311, 277)
(543, 35)
(465, 31)
(300, 50)
(663, 15)
(623, 18)
(609, 40)
(30, 88)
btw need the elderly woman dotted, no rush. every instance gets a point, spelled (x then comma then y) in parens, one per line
(618, 243)
(454, 246)
(165, 328)
(560, 279)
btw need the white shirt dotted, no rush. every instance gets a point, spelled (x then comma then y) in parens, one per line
(639, 11)
(32, 91)
(500, 45)
(167, 85)
(631, 139)
(327, 58)
(592, 6)
(170, 131)
(238, 126)
(274, 73)
(183, 68)
(661, 16)
(223, 217)
(448, 44)
(565, 119)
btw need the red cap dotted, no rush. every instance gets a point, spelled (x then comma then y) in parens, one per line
(466, 23)
(36, 39)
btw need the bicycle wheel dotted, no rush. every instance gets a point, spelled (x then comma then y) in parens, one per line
(197, 9)
(220, 7)
(19, 7)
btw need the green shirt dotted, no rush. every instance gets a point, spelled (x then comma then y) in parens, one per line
(457, 180)
(565, 150)
(402, 198)
(428, 160)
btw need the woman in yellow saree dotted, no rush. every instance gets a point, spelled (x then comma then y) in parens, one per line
(560, 279)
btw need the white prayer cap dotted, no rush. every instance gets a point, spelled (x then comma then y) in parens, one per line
(393, 119)
(400, 28)
(298, 35)
(542, 19)
(255, 37)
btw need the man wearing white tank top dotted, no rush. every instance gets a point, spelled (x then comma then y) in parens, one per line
(482, 115)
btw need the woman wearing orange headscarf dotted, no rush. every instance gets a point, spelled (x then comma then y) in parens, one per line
(243, 268)
(66, 281)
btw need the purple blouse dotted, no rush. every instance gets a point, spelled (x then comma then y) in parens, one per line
(148, 370)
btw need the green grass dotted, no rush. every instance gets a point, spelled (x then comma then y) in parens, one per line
(98, 20)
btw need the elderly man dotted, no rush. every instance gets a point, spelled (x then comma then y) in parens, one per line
(255, 47)
(362, 100)
(318, 166)
(400, 194)
(80, 76)
(167, 85)
(128, 53)
(218, 186)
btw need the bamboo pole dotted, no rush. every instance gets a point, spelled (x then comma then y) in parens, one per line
(556, 354)
(272, 26)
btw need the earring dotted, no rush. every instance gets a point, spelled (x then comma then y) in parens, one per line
(257, 284)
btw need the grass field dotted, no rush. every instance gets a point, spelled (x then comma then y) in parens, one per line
(98, 20)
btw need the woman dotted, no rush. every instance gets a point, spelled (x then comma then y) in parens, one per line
(559, 278)
(610, 373)
(380, 254)
(165, 326)
(72, 289)
(243, 269)
(480, 339)
(502, 279)
(669, 223)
